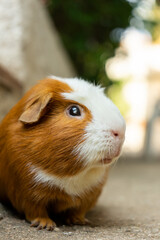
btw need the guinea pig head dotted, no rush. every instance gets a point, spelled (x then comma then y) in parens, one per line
(67, 125)
(104, 134)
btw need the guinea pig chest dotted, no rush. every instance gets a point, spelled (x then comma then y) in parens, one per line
(56, 146)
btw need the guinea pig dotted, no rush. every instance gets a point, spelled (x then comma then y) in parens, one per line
(56, 146)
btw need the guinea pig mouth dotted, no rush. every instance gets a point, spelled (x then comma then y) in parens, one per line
(110, 159)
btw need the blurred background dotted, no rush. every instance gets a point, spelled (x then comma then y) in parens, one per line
(115, 43)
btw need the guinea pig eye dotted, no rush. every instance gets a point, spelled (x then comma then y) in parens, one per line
(74, 111)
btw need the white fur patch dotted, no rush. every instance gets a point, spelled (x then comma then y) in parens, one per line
(99, 141)
(75, 185)
(104, 111)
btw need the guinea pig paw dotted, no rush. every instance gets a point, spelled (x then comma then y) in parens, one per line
(76, 220)
(43, 223)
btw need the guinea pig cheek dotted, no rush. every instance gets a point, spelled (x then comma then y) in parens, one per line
(99, 146)
(68, 135)
(79, 124)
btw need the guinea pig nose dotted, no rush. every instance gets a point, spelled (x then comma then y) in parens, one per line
(118, 134)
(115, 133)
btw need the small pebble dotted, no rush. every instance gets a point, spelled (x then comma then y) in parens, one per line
(56, 229)
(155, 230)
(1, 217)
(68, 233)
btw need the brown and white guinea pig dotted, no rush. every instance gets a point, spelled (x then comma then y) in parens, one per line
(56, 146)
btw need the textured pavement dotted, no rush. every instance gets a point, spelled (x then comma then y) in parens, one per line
(129, 208)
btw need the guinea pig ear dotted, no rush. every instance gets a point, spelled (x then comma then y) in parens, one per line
(35, 110)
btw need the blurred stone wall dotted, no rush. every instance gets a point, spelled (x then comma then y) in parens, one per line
(10, 91)
(30, 48)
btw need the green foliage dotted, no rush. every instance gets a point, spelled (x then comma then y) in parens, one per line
(86, 29)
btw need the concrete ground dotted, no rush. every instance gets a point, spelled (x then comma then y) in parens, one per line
(129, 208)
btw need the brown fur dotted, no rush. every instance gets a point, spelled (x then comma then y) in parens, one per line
(36, 131)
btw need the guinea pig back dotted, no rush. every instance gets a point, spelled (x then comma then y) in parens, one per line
(56, 146)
